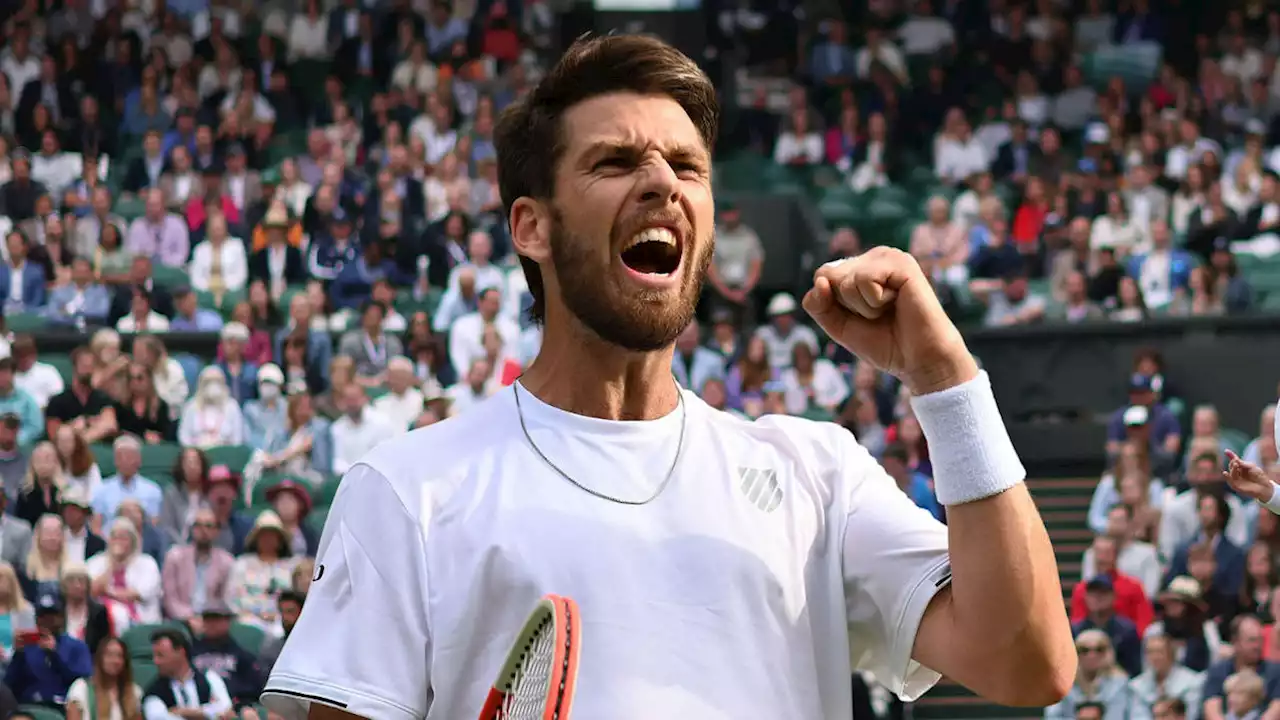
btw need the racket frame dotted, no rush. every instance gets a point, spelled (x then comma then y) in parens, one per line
(567, 626)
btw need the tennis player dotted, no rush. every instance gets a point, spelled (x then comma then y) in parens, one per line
(724, 568)
(1252, 481)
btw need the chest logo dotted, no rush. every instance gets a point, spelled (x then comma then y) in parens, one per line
(760, 487)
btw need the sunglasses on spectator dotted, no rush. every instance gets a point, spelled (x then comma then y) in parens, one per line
(204, 525)
(1091, 649)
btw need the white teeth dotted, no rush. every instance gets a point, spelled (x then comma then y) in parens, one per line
(656, 234)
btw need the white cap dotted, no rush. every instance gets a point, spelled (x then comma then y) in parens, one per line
(1097, 133)
(270, 373)
(781, 304)
(1135, 415)
(235, 331)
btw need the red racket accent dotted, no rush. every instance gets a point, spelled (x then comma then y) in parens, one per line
(538, 678)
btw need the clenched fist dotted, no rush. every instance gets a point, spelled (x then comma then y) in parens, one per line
(880, 306)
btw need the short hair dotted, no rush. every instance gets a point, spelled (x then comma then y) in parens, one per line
(127, 441)
(176, 638)
(292, 596)
(897, 451)
(529, 136)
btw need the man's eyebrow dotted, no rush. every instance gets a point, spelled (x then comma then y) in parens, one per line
(602, 148)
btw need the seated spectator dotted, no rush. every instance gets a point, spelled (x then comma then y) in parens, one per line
(1164, 678)
(80, 542)
(82, 300)
(125, 579)
(1200, 298)
(1158, 426)
(782, 332)
(45, 664)
(1246, 634)
(265, 418)
(308, 449)
(941, 245)
(1012, 302)
(184, 496)
(43, 565)
(179, 689)
(211, 418)
(1229, 283)
(110, 691)
(1221, 606)
(241, 374)
(329, 255)
(1246, 695)
(87, 619)
(79, 468)
(1099, 679)
(691, 363)
(111, 260)
(1128, 597)
(43, 485)
(219, 264)
(257, 350)
(188, 316)
(316, 343)
(166, 372)
(1101, 614)
(812, 383)
(17, 611)
(371, 348)
(195, 575)
(223, 491)
(1134, 558)
(957, 154)
(475, 387)
(15, 534)
(16, 402)
(143, 414)
(215, 651)
(153, 541)
(403, 402)
(1134, 461)
(128, 482)
(1179, 522)
(799, 144)
(261, 573)
(342, 372)
(1205, 432)
(142, 318)
(290, 606)
(359, 429)
(1129, 306)
(1261, 579)
(40, 380)
(1213, 513)
(279, 264)
(914, 484)
(22, 283)
(292, 503)
(1163, 272)
(159, 233)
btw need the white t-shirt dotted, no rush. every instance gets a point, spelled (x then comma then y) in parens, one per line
(779, 558)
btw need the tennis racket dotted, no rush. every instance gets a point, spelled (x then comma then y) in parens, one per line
(537, 680)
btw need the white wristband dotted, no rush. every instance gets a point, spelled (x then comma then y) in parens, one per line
(972, 455)
(1274, 503)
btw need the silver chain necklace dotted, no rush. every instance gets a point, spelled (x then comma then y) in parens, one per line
(684, 416)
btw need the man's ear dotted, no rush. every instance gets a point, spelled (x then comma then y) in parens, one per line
(531, 229)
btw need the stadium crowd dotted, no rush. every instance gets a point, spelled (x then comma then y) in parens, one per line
(315, 185)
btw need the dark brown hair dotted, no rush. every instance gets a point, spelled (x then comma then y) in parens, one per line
(528, 135)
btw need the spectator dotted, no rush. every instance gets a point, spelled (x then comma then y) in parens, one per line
(179, 687)
(403, 402)
(1180, 521)
(279, 264)
(16, 402)
(189, 316)
(110, 691)
(1213, 513)
(143, 414)
(22, 283)
(265, 418)
(13, 460)
(40, 380)
(79, 469)
(466, 335)
(1128, 598)
(308, 452)
(800, 144)
(241, 373)
(735, 268)
(196, 575)
(87, 619)
(79, 540)
(166, 372)
(1098, 680)
(42, 567)
(42, 487)
(211, 418)
(1134, 558)
(1163, 679)
(125, 579)
(290, 606)
(292, 504)
(127, 482)
(940, 245)
(215, 651)
(812, 383)
(222, 493)
(153, 542)
(261, 572)
(45, 664)
(692, 364)
(15, 536)
(358, 430)
(82, 300)
(219, 264)
(159, 233)
(15, 608)
(1246, 633)
(142, 317)
(1100, 614)
(783, 332)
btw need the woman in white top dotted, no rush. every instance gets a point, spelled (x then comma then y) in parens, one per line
(79, 469)
(799, 144)
(415, 72)
(309, 34)
(212, 418)
(293, 191)
(436, 189)
(219, 264)
(1189, 197)
(1115, 230)
(812, 382)
(167, 373)
(1240, 191)
(125, 579)
(110, 693)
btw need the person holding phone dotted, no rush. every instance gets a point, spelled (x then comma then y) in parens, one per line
(47, 660)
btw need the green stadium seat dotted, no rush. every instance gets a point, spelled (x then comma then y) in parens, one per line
(248, 637)
(25, 322)
(1136, 63)
(41, 712)
(159, 458)
(60, 362)
(286, 297)
(130, 208)
(137, 639)
(407, 305)
(235, 457)
(224, 304)
(1235, 440)
(316, 519)
(105, 457)
(145, 672)
(169, 277)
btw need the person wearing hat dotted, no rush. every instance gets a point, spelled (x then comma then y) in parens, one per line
(333, 251)
(1100, 614)
(222, 492)
(215, 651)
(79, 541)
(278, 263)
(1130, 598)
(261, 571)
(266, 419)
(1164, 433)
(292, 503)
(47, 661)
(782, 332)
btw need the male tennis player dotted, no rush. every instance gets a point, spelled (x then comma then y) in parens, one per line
(724, 568)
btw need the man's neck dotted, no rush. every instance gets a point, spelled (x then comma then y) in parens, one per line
(580, 373)
(203, 551)
(183, 675)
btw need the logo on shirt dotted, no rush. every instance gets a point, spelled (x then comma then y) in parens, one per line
(760, 487)
(319, 573)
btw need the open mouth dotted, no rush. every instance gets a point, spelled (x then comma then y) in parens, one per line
(653, 251)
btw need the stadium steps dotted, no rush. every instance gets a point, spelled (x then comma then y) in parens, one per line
(1064, 505)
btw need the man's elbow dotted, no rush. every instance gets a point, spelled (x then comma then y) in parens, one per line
(1038, 682)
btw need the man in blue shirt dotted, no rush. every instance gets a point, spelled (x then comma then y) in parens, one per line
(46, 663)
(127, 483)
(1157, 425)
(17, 402)
(188, 316)
(915, 485)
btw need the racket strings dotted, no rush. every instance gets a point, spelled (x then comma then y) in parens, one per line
(530, 684)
